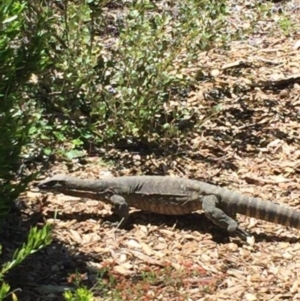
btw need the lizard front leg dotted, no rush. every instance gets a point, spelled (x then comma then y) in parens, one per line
(220, 218)
(119, 207)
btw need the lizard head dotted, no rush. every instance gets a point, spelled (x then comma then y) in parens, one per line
(54, 183)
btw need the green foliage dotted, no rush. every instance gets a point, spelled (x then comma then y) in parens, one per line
(12, 132)
(80, 294)
(70, 82)
(101, 88)
(37, 239)
(104, 94)
(4, 290)
(21, 48)
(22, 41)
(152, 52)
(287, 25)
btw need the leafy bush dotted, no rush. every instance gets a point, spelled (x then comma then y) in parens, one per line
(153, 50)
(21, 47)
(102, 92)
(127, 84)
(22, 52)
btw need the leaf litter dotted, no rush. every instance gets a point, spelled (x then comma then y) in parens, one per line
(251, 146)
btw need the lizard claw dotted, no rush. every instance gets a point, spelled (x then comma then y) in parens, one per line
(242, 234)
(117, 224)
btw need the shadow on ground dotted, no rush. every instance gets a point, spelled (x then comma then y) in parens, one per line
(189, 222)
(46, 274)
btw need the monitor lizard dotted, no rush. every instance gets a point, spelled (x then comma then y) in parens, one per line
(174, 196)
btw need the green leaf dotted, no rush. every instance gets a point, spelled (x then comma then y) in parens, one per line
(47, 151)
(10, 19)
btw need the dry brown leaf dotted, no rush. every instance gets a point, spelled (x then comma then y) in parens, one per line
(146, 249)
(75, 235)
(145, 258)
(250, 297)
(132, 243)
(123, 270)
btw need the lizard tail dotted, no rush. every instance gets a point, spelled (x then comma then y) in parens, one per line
(260, 209)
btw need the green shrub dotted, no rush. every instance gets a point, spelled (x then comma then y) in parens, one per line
(149, 62)
(21, 48)
(22, 53)
(128, 85)
(104, 93)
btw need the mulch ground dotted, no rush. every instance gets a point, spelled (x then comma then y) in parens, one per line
(251, 146)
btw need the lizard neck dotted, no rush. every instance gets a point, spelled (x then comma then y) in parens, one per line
(85, 185)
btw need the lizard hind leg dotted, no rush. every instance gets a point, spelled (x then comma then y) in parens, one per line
(220, 218)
